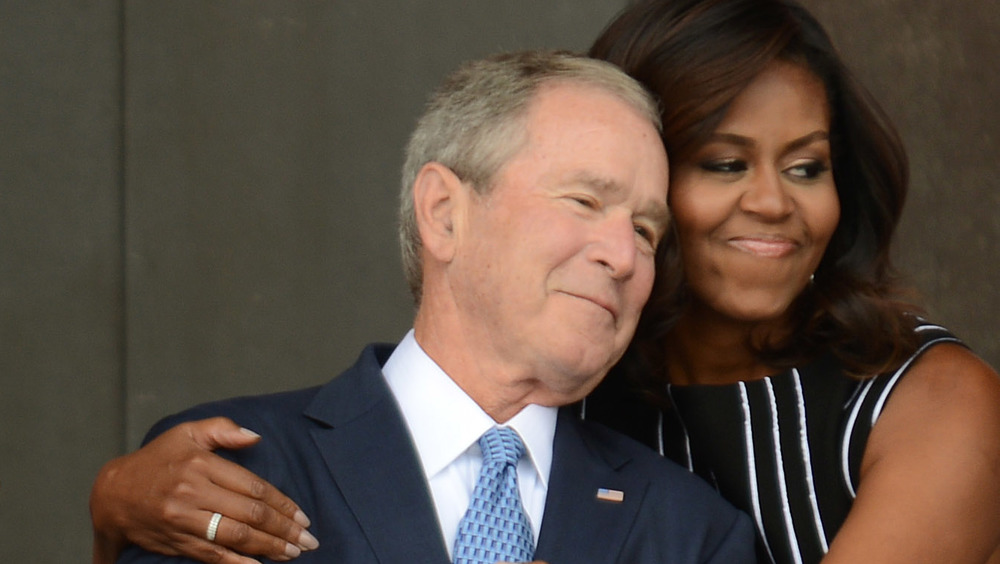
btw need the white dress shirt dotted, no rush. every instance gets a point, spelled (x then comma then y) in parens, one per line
(445, 425)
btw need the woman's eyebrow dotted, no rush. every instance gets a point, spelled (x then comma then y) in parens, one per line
(744, 141)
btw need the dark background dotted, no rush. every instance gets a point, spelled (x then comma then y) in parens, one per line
(197, 199)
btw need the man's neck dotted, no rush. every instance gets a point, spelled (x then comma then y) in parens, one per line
(467, 353)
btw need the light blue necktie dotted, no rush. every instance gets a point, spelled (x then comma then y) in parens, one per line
(495, 528)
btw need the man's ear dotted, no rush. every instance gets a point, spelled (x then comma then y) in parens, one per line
(438, 201)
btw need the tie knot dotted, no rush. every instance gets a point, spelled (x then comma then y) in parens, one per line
(501, 444)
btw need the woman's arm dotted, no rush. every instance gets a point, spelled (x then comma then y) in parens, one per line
(930, 478)
(162, 497)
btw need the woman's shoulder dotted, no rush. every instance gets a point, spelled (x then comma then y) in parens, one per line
(932, 459)
(931, 340)
(946, 410)
(944, 373)
(949, 379)
(945, 385)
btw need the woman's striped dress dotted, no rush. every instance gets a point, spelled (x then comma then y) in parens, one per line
(786, 449)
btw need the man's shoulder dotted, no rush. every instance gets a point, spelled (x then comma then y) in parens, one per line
(642, 457)
(282, 412)
(248, 411)
(665, 477)
(678, 516)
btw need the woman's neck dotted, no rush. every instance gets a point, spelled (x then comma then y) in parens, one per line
(707, 348)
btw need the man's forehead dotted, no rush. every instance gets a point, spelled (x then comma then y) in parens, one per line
(588, 136)
(580, 113)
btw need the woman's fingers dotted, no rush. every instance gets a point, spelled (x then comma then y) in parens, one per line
(199, 549)
(240, 536)
(168, 510)
(258, 519)
(219, 432)
(247, 525)
(265, 519)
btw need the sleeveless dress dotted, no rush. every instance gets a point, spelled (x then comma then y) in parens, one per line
(786, 449)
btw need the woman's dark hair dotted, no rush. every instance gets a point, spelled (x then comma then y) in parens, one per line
(696, 56)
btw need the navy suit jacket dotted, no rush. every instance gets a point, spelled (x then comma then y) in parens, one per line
(342, 451)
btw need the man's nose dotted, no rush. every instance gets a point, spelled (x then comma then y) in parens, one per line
(615, 247)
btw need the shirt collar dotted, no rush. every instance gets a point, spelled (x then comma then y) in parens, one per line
(444, 421)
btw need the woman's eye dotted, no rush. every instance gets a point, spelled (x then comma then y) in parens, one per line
(724, 166)
(808, 170)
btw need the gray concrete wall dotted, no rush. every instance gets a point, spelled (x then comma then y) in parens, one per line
(197, 198)
(61, 311)
(935, 67)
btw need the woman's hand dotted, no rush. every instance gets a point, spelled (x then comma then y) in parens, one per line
(162, 498)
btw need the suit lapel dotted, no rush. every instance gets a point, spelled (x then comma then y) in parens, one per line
(579, 527)
(368, 451)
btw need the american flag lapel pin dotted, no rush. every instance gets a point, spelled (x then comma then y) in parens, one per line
(614, 496)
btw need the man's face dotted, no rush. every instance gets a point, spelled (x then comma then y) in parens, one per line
(557, 260)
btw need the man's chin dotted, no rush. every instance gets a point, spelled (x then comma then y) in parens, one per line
(572, 388)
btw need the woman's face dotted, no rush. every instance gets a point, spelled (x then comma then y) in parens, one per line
(756, 206)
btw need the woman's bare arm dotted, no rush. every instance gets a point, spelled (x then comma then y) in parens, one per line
(162, 497)
(930, 479)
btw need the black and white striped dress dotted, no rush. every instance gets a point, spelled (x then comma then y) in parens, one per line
(786, 449)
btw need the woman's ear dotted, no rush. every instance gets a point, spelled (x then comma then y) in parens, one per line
(438, 200)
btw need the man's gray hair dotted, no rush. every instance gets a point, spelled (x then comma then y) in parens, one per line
(474, 123)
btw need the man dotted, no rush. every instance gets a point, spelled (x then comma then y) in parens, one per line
(534, 196)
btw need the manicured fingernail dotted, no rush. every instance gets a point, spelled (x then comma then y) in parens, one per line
(292, 551)
(246, 431)
(301, 518)
(307, 541)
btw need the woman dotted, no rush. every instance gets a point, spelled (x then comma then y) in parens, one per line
(787, 183)
(767, 367)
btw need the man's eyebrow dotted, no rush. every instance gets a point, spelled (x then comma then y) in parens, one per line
(603, 185)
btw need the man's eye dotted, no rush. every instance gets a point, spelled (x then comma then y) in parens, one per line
(584, 201)
(647, 234)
